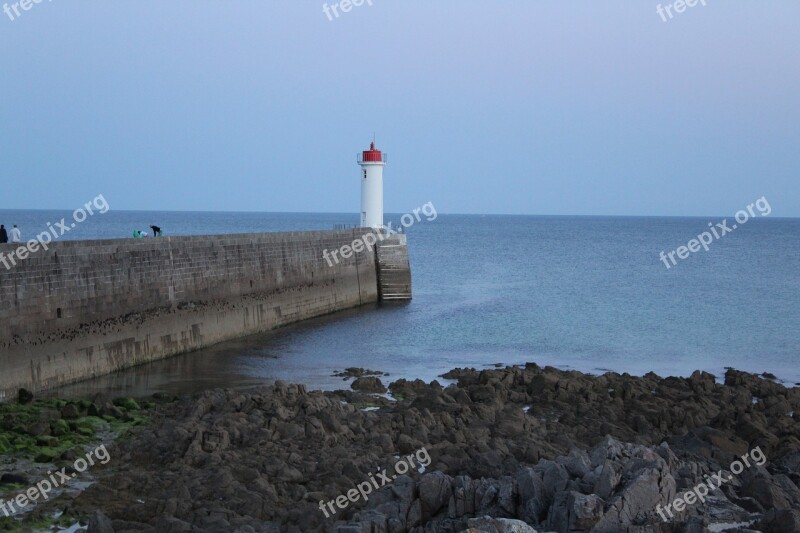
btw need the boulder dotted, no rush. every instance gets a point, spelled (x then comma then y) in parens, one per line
(24, 396)
(100, 523)
(435, 491)
(368, 384)
(70, 412)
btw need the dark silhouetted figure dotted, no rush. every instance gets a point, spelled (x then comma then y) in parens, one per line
(156, 231)
(3, 234)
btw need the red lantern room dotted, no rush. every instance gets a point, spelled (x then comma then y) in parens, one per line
(372, 154)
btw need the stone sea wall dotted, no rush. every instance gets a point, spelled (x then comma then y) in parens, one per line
(87, 308)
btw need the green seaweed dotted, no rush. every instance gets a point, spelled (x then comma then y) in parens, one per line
(8, 523)
(46, 455)
(366, 404)
(59, 427)
(52, 403)
(18, 423)
(41, 523)
(129, 404)
(83, 405)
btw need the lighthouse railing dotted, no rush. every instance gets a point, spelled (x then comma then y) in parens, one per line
(360, 159)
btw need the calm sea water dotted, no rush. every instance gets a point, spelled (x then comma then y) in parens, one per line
(587, 293)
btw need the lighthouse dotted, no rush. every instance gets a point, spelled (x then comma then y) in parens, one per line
(372, 162)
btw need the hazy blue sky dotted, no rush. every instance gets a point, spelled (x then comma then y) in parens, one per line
(530, 107)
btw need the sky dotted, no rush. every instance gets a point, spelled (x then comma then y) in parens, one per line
(514, 107)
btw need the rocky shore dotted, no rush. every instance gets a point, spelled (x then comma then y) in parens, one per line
(510, 449)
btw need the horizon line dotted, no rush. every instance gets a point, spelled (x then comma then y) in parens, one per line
(355, 214)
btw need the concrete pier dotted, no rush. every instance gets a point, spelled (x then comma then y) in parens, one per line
(85, 308)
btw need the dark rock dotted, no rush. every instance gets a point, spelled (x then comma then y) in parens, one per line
(24, 396)
(780, 521)
(368, 384)
(39, 428)
(554, 479)
(414, 516)
(110, 409)
(532, 495)
(354, 372)
(458, 373)
(768, 492)
(70, 411)
(100, 523)
(174, 525)
(11, 479)
(69, 455)
(606, 479)
(573, 511)
(597, 453)
(403, 388)
(93, 410)
(121, 526)
(47, 441)
(488, 524)
(435, 490)
(577, 463)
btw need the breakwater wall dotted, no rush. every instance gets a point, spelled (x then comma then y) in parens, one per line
(86, 308)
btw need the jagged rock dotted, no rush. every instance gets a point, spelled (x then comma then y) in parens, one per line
(780, 521)
(771, 492)
(109, 409)
(100, 523)
(554, 479)
(541, 445)
(488, 524)
(532, 495)
(409, 389)
(368, 384)
(435, 491)
(606, 479)
(573, 511)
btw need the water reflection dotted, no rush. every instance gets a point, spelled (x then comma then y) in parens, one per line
(243, 363)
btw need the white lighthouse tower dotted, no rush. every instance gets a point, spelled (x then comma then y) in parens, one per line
(372, 162)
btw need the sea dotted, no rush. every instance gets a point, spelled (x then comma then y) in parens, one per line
(587, 293)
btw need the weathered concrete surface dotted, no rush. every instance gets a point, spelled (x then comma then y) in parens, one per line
(87, 308)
